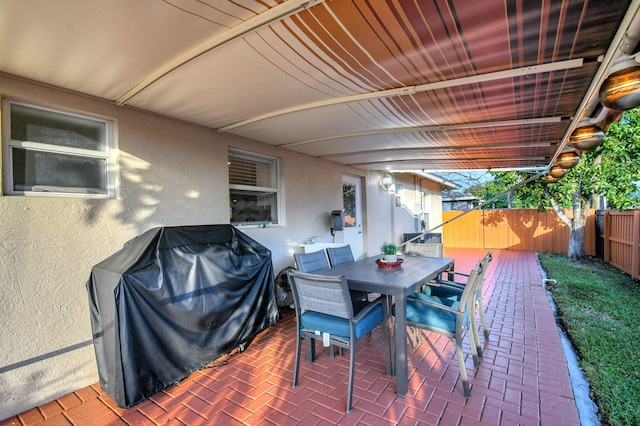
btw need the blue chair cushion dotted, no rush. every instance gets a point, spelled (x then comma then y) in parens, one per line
(445, 293)
(340, 326)
(422, 314)
(450, 302)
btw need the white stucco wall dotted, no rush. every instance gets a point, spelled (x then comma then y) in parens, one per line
(171, 173)
(379, 218)
(407, 205)
(433, 201)
(416, 195)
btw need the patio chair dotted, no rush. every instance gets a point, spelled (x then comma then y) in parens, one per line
(311, 262)
(423, 249)
(340, 255)
(453, 290)
(450, 318)
(325, 311)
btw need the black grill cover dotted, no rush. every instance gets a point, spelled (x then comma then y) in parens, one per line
(171, 301)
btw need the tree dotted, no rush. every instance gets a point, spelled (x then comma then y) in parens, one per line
(611, 170)
(497, 191)
(464, 182)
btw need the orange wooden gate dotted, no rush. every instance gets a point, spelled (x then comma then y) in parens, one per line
(622, 241)
(515, 229)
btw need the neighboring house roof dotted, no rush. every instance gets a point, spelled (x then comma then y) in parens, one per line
(432, 177)
(467, 202)
(468, 198)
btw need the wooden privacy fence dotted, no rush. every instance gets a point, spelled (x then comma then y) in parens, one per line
(514, 229)
(614, 236)
(621, 236)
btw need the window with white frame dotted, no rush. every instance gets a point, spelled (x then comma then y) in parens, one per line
(53, 152)
(253, 189)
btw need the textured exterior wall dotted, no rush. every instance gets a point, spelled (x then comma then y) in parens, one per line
(419, 196)
(406, 203)
(48, 244)
(171, 173)
(388, 222)
(378, 216)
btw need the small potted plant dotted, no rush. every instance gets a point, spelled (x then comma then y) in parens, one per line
(390, 252)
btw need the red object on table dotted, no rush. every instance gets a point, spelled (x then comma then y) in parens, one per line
(382, 264)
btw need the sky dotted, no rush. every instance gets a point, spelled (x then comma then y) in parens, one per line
(466, 179)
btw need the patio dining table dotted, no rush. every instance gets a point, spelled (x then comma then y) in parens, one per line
(398, 283)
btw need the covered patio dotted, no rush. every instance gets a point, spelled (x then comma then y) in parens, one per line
(165, 108)
(522, 379)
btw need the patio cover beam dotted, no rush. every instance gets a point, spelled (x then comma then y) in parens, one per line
(274, 14)
(438, 148)
(438, 128)
(447, 160)
(410, 90)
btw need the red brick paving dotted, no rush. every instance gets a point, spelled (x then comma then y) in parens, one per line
(522, 379)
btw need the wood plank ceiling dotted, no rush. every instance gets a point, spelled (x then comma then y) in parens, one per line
(382, 85)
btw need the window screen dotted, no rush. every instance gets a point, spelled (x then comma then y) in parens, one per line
(49, 151)
(253, 189)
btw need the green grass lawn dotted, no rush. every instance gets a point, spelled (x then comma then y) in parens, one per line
(599, 308)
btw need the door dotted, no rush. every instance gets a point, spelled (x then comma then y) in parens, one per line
(352, 205)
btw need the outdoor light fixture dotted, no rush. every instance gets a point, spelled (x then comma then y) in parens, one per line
(567, 160)
(586, 137)
(557, 171)
(551, 179)
(612, 117)
(387, 181)
(621, 90)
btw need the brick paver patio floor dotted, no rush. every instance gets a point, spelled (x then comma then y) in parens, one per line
(522, 379)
